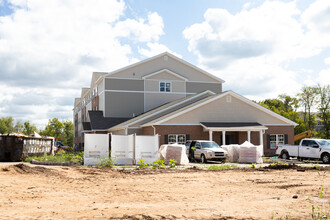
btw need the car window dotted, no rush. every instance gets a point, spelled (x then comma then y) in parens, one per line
(312, 143)
(304, 143)
(198, 144)
(323, 142)
(210, 145)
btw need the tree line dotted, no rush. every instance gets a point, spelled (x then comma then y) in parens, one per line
(313, 102)
(62, 131)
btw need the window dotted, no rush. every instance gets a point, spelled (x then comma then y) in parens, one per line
(177, 138)
(276, 139)
(164, 86)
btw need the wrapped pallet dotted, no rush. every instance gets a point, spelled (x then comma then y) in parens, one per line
(233, 152)
(248, 153)
(173, 151)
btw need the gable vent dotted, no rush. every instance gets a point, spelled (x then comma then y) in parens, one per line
(165, 58)
(228, 98)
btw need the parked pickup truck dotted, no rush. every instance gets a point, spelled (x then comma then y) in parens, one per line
(308, 148)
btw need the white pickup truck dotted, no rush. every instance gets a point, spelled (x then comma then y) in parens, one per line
(308, 148)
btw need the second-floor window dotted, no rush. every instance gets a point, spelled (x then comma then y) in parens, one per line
(165, 87)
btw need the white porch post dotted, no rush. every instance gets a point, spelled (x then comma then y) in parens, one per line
(223, 137)
(210, 135)
(261, 141)
(249, 136)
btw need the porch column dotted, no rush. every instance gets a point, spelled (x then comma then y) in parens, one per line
(261, 141)
(249, 136)
(210, 135)
(223, 137)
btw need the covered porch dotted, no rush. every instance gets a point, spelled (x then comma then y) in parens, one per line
(235, 132)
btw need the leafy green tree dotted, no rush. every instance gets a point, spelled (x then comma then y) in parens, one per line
(63, 131)
(19, 127)
(324, 109)
(67, 135)
(308, 98)
(53, 128)
(28, 128)
(6, 125)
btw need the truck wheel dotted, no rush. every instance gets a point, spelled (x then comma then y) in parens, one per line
(203, 159)
(325, 158)
(285, 156)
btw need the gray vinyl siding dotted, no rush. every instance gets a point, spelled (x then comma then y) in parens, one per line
(196, 87)
(160, 63)
(124, 84)
(123, 104)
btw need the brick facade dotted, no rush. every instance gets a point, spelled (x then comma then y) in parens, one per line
(196, 132)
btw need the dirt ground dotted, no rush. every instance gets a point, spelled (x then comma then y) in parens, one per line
(30, 192)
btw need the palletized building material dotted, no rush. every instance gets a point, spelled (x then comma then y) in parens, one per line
(250, 153)
(233, 152)
(173, 151)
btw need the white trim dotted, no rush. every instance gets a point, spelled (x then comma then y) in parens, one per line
(165, 109)
(276, 125)
(150, 92)
(204, 82)
(177, 81)
(173, 57)
(144, 96)
(104, 107)
(180, 112)
(123, 78)
(164, 70)
(176, 125)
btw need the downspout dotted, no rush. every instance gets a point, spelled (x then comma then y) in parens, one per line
(154, 129)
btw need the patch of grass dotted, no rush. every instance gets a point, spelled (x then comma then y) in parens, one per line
(61, 157)
(107, 162)
(222, 167)
(172, 163)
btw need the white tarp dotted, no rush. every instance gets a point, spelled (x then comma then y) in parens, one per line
(96, 148)
(122, 148)
(146, 148)
(173, 151)
(244, 153)
(250, 153)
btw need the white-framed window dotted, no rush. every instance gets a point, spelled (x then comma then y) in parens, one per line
(177, 138)
(165, 86)
(276, 139)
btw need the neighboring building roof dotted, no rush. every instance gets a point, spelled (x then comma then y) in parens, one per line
(95, 77)
(84, 91)
(205, 101)
(98, 122)
(86, 126)
(164, 110)
(172, 56)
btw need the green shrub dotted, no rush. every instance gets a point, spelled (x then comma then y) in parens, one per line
(172, 163)
(142, 164)
(158, 164)
(107, 162)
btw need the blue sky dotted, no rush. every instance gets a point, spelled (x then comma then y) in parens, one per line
(49, 49)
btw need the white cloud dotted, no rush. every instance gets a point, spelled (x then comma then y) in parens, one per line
(324, 77)
(156, 48)
(327, 61)
(141, 31)
(54, 46)
(253, 49)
